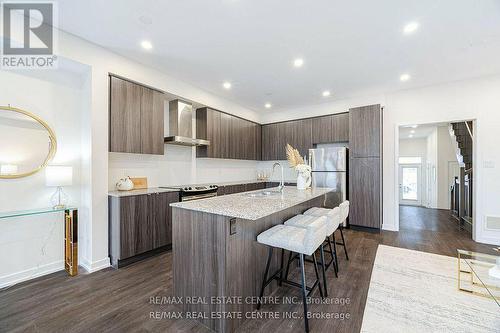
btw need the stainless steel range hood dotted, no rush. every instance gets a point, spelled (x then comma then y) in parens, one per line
(180, 122)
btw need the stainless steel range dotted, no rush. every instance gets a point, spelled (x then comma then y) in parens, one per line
(194, 192)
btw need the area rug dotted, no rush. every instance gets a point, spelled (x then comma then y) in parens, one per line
(412, 291)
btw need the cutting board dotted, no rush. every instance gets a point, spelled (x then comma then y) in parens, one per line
(140, 182)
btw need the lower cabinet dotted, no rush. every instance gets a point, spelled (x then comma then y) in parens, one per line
(238, 188)
(139, 224)
(365, 192)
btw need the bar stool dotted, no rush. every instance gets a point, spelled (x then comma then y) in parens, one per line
(344, 209)
(334, 218)
(305, 242)
(305, 222)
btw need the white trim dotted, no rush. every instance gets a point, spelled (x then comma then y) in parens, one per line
(95, 266)
(31, 273)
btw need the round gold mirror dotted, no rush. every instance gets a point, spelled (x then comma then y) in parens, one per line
(27, 143)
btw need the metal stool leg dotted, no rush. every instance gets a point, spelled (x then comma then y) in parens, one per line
(290, 253)
(323, 268)
(343, 242)
(269, 257)
(281, 267)
(304, 298)
(333, 252)
(317, 274)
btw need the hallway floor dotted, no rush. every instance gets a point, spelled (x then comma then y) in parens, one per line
(119, 300)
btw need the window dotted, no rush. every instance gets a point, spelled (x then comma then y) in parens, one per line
(410, 160)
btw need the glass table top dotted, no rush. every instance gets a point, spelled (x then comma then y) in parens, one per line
(484, 273)
(36, 211)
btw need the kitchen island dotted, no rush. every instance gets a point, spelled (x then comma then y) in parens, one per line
(218, 265)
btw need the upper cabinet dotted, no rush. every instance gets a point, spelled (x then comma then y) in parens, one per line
(303, 134)
(365, 131)
(230, 137)
(332, 128)
(135, 118)
(271, 144)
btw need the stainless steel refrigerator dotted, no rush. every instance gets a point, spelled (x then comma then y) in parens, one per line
(330, 167)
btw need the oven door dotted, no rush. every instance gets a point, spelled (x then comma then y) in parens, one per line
(196, 196)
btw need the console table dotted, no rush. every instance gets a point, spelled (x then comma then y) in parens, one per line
(70, 232)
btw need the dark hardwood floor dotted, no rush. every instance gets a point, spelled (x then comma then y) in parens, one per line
(119, 300)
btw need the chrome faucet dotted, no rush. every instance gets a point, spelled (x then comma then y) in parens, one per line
(282, 182)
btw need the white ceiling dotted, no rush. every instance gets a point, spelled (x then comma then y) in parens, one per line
(419, 132)
(351, 48)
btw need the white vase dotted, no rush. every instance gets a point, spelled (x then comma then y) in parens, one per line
(125, 184)
(303, 180)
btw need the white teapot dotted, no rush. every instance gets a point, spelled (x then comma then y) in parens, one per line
(125, 184)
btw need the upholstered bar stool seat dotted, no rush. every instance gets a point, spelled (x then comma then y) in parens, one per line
(337, 218)
(305, 242)
(295, 239)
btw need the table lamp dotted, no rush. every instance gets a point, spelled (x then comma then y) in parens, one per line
(59, 176)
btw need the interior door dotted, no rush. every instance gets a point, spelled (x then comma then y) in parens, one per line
(410, 189)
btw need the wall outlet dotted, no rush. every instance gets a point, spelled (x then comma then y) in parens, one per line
(232, 226)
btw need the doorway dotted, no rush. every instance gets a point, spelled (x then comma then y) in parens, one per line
(410, 189)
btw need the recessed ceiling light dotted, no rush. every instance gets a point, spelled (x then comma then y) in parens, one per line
(146, 44)
(410, 136)
(410, 28)
(404, 77)
(412, 131)
(227, 85)
(414, 126)
(326, 93)
(267, 105)
(298, 62)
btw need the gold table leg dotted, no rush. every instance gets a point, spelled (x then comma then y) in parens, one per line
(71, 241)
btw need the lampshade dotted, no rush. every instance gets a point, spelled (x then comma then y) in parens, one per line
(57, 175)
(8, 169)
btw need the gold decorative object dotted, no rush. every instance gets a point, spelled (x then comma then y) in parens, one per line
(71, 242)
(52, 143)
(293, 156)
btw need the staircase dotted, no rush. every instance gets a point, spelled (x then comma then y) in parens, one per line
(461, 191)
(463, 136)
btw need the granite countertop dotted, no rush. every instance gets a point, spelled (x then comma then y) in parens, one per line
(243, 205)
(150, 190)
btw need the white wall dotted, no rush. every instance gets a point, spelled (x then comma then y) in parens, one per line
(431, 169)
(446, 154)
(33, 245)
(417, 148)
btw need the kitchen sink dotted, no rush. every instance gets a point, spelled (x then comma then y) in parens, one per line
(262, 194)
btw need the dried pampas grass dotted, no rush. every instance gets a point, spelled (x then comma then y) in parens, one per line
(293, 156)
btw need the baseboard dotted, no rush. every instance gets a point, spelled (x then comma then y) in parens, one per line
(389, 227)
(11, 279)
(95, 266)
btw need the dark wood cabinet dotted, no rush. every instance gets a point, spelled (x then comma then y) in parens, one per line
(162, 218)
(298, 134)
(365, 131)
(208, 127)
(124, 116)
(136, 116)
(135, 227)
(270, 142)
(365, 191)
(230, 137)
(152, 114)
(139, 224)
(275, 137)
(238, 188)
(332, 128)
